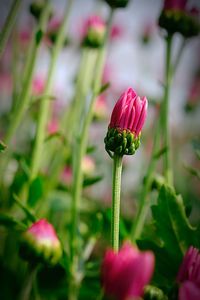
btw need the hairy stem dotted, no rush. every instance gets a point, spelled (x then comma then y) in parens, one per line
(116, 189)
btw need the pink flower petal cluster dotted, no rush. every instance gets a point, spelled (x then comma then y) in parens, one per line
(44, 233)
(95, 23)
(189, 275)
(124, 274)
(129, 112)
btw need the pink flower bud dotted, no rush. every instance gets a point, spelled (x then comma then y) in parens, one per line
(189, 275)
(124, 274)
(129, 112)
(93, 31)
(127, 120)
(175, 4)
(40, 242)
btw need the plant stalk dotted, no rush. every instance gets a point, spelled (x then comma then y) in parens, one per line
(168, 174)
(116, 189)
(9, 24)
(44, 107)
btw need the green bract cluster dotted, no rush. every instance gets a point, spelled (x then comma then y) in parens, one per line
(117, 3)
(38, 252)
(121, 142)
(94, 38)
(179, 21)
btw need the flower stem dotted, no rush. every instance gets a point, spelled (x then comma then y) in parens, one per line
(165, 112)
(24, 96)
(116, 188)
(79, 152)
(143, 201)
(44, 108)
(9, 24)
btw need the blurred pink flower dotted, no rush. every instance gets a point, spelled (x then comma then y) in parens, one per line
(88, 165)
(100, 108)
(43, 233)
(189, 275)
(53, 126)
(175, 4)
(25, 37)
(129, 112)
(66, 176)
(124, 274)
(116, 32)
(92, 31)
(38, 85)
(41, 242)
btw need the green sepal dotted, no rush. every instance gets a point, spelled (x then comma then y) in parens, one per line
(179, 21)
(121, 142)
(117, 3)
(38, 252)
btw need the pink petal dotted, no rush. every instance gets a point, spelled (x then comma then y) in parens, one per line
(189, 291)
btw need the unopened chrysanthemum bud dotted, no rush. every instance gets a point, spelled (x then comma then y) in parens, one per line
(153, 293)
(52, 32)
(176, 17)
(36, 7)
(127, 120)
(117, 3)
(125, 274)
(41, 244)
(93, 32)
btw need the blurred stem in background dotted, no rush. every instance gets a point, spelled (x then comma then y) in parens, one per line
(168, 173)
(144, 202)
(45, 103)
(78, 154)
(116, 189)
(9, 24)
(72, 116)
(22, 100)
(24, 96)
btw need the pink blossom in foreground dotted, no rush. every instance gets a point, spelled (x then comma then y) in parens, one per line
(189, 276)
(129, 112)
(124, 274)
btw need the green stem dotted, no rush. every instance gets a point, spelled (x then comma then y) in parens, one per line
(165, 113)
(24, 96)
(9, 24)
(80, 150)
(28, 284)
(116, 188)
(144, 201)
(44, 108)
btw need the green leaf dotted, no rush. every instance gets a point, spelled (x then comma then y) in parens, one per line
(104, 87)
(193, 171)
(91, 180)
(174, 236)
(160, 153)
(172, 224)
(10, 222)
(38, 36)
(2, 146)
(36, 191)
(26, 210)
